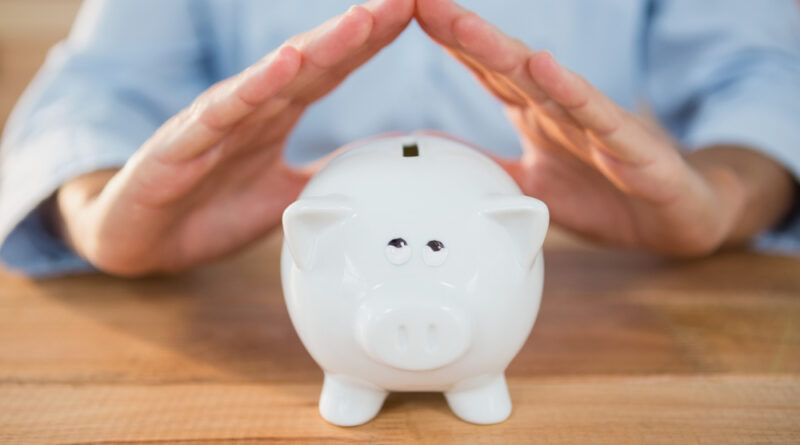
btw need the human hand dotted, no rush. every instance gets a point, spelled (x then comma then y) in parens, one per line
(212, 178)
(602, 171)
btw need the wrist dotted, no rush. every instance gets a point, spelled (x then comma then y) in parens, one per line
(755, 192)
(728, 198)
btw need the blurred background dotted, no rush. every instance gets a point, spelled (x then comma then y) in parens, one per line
(28, 28)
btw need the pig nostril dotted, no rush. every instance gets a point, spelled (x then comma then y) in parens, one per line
(402, 338)
(432, 339)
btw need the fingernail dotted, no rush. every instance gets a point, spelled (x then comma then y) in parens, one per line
(374, 4)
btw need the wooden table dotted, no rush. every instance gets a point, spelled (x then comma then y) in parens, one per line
(627, 349)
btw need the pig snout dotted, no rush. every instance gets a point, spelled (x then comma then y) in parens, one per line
(412, 335)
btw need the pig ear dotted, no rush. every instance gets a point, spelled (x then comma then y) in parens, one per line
(526, 220)
(306, 219)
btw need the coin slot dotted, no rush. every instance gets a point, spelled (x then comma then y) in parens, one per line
(410, 150)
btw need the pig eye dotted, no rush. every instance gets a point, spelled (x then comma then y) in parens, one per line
(398, 251)
(434, 253)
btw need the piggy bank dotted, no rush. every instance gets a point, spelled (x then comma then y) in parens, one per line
(413, 263)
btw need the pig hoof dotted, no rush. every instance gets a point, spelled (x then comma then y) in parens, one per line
(348, 402)
(485, 403)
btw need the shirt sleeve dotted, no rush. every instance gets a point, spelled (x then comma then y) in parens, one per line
(728, 72)
(125, 68)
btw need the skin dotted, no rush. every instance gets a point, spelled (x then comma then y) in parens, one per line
(602, 171)
(212, 179)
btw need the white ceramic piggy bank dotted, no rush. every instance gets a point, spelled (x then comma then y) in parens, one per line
(413, 264)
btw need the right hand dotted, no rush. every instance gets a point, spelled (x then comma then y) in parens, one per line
(212, 178)
(602, 171)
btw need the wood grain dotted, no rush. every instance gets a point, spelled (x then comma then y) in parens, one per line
(28, 28)
(627, 349)
(653, 410)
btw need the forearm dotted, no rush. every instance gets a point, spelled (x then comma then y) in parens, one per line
(758, 191)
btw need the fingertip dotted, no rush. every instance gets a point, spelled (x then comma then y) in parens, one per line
(467, 27)
(407, 7)
(289, 59)
(436, 18)
(356, 23)
(286, 66)
(390, 16)
(354, 27)
(542, 65)
(278, 69)
(334, 40)
(286, 58)
(479, 39)
(361, 20)
(404, 8)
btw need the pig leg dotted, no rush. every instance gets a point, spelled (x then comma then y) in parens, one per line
(481, 400)
(348, 401)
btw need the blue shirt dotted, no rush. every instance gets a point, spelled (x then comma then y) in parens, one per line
(713, 71)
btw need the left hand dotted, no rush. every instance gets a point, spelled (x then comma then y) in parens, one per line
(602, 171)
(212, 178)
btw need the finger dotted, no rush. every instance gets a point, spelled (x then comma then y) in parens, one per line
(497, 58)
(552, 90)
(660, 182)
(281, 78)
(502, 64)
(322, 52)
(196, 137)
(302, 57)
(330, 53)
(614, 130)
(570, 110)
(543, 133)
(329, 56)
(218, 109)
(333, 40)
(436, 18)
(333, 51)
(637, 161)
(568, 136)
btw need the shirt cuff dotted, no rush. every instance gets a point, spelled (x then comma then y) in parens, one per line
(752, 127)
(768, 126)
(29, 174)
